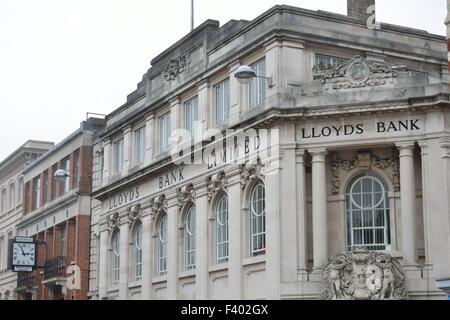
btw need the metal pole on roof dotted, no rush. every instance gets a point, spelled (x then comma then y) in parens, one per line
(192, 15)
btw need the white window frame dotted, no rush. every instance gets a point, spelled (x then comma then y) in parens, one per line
(118, 156)
(140, 144)
(138, 253)
(4, 199)
(221, 101)
(222, 230)
(257, 221)
(189, 240)
(164, 132)
(12, 195)
(115, 259)
(162, 247)
(20, 191)
(361, 219)
(191, 115)
(257, 88)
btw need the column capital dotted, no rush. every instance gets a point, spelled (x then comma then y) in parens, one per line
(423, 144)
(406, 148)
(203, 84)
(150, 117)
(322, 151)
(300, 155)
(106, 141)
(405, 145)
(127, 129)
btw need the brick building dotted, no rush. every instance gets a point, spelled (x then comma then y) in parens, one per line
(11, 190)
(56, 214)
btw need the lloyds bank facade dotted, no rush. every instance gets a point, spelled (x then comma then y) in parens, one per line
(325, 177)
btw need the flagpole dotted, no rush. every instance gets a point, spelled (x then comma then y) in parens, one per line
(192, 15)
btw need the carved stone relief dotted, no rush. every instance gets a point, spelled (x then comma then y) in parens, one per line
(364, 275)
(250, 172)
(186, 194)
(134, 213)
(365, 160)
(113, 221)
(176, 67)
(158, 205)
(357, 73)
(216, 183)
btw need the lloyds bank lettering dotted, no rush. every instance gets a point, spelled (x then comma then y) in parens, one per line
(359, 129)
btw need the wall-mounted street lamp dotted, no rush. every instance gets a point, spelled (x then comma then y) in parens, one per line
(61, 175)
(244, 74)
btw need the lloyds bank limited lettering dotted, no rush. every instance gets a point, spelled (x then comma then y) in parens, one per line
(123, 198)
(381, 127)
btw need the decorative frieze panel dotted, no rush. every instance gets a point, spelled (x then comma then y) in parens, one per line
(364, 275)
(359, 72)
(186, 194)
(216, 183)
(250, 172)
(176, 67)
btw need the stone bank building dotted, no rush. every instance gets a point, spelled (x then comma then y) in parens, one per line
(352, 201)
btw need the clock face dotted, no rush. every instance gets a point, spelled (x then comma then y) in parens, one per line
(24, 254)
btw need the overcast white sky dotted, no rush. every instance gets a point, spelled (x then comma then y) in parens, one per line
(62, 58)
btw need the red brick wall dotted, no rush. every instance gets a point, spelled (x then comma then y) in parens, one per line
(83, 235)
(85, 169)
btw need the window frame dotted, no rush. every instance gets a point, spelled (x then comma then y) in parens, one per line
(162, 246)
(137, 252)
(362, 211)
(258, 85)
(257, 222)
(190, 248)
(115, 259)
(140, 144)
(221, 93)
(118, 145)
(164, 132)
(190, 108)
(221, 228)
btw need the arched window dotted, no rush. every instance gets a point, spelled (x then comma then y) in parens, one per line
(138, 253)
(12, 195)
(20, 191)
(221, 230)
(3, 205)
(115, 259)
(258, 221)
(162, 246)
(189, 240)
(368, 213)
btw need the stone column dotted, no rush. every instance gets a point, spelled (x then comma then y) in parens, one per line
(106, 160)
(319, 208)
(103, 278)
(147, 257)
(149, 135)
(202, 241)
(302, 258)
(408, 202)
(172, 251)
(236, 247)
(124, 259)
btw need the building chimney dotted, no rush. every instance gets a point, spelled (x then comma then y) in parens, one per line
(358, 9)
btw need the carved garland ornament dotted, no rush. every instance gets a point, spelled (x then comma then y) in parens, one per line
(216, 183)
(250, 172)
(357, 73)
(176, 67)
(364, 275)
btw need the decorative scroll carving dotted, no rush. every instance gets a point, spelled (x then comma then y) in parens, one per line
(250, 172)
(336, 164)
(158, 205)
(364, 275)
(113, 221)
(134, 213)
(176, 67)
(186, 194)
(216, 183)
(357, 73)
